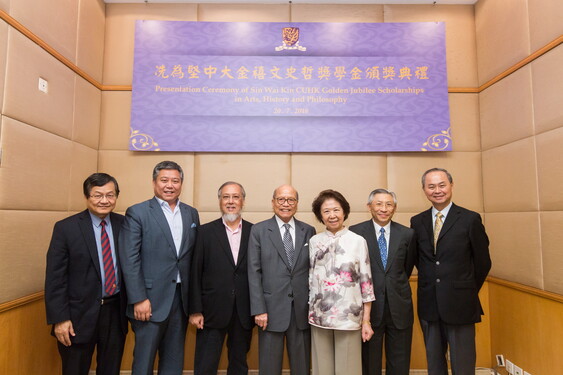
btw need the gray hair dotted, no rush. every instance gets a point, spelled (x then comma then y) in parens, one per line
(276, 189)
(450, 178)
(167, 165)
(382, 191)
(231, 183)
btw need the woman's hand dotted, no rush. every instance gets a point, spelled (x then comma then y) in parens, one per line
(367, 331)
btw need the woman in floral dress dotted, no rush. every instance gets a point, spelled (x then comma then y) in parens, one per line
(340, 290)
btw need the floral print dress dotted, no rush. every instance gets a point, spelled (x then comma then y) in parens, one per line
(339, 280)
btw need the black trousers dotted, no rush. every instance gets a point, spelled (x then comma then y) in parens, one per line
(397, 348)
(108, 339)
(209, 344)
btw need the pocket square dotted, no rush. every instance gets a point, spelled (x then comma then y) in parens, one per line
(306, 244)
(193, 225)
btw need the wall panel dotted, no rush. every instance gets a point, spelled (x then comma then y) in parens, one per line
(551, 239)
(243, 12)
(405, 171)
(120, 34)
(510, 177)
(515, 247)
(133, 172)
(502, 36)
(3, 57)
(545, 21)
(550, 171)
(460, 36)
(547, 87)
(35, 171)
(90, 37)
(53, 21)
(23, 101)
(115, 119)
(506, 110)
(353, 175)
(84, 162)
(336, 13)
(464, 119)
(86, 116)
(23, 245)
(260, 174)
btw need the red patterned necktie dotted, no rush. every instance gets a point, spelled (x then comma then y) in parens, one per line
(109, 270)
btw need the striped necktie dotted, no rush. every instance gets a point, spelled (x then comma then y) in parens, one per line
(109, 269)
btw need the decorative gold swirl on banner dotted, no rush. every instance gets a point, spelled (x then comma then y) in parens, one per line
(142, 142)
(437, 142)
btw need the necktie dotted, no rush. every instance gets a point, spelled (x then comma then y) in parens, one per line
(437, 228)
(382, 247)
(288, 245)
(109, 270)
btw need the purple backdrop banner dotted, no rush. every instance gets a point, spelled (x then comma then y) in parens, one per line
(289, 87)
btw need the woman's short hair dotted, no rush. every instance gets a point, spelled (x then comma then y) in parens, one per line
(330, 194)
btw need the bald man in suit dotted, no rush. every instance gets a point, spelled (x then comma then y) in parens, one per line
(279, 286)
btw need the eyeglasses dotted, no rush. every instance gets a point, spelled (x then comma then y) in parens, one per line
(387, 205)
(99, 197)
(282, 200)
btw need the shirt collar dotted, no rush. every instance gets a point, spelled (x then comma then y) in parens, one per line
(229, 228)
(163, 203)
(377, 227)
(444, 211)
(280, 222)
(96, 219)
(338, 234)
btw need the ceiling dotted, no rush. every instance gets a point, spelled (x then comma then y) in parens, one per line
(458, 2)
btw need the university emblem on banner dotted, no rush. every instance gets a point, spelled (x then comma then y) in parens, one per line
(290, 38)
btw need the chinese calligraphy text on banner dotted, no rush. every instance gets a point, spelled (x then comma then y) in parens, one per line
(299, 87)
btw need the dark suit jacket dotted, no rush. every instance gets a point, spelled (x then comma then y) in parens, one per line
(217, 284)
(393, 281)
(149, 260)
(449, 282)
(73, 282)
(274, 286)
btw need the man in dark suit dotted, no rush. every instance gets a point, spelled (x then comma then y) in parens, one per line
(278, 275)
(219, 301)
(453, 262)
(156, 248)
(84, 292)
(392, 259)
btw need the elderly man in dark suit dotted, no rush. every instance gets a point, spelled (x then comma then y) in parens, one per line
(84, 292)
(156, 247)
(278, 275)
(219, 301)
(453, 263)
(392, 251)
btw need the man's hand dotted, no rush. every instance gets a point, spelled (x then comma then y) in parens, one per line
(142, 310)
(63, 331)
(197, 320)
(261, 320)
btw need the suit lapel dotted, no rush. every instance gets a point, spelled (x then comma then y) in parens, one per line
(85, 223)
(156, 212)
(427, 223)
(371, 239)
(394, 240)
(246, 226)
(452, 217)
(299, 241)
(187, 222)
(276, 239)
(221, 235)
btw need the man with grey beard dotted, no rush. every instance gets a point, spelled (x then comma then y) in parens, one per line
(219, 300)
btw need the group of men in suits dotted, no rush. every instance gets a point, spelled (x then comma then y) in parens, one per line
(158, 267)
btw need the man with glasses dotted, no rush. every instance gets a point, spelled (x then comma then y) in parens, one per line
(392, 252)
(278, 275)
(219, 302)
(84, 293)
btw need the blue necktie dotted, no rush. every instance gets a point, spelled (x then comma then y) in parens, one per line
(382, 247)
